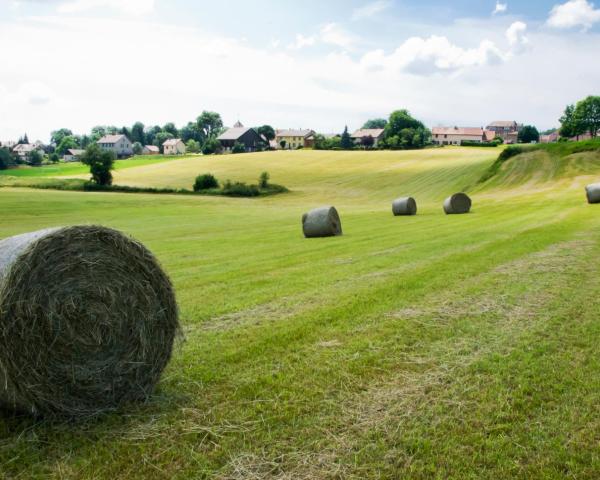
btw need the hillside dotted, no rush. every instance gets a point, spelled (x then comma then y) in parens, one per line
(449, 346)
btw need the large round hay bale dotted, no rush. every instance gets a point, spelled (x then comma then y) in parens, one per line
(404, 206)
(457, 204)
(593, 193)
(321, 222)
(87, 321)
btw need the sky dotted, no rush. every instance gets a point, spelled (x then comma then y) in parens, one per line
(310, 64)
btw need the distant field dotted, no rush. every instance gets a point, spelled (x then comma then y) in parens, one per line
(425, 347)
(77, 168)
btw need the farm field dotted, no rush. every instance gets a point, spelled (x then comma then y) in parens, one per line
(431, 346)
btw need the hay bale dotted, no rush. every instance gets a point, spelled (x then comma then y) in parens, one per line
(321, 222)
(404, 206)
(593, 193)
(457, 204)
(87, 321)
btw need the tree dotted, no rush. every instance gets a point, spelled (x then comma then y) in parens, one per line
(172, 129)
(54, 158)
(368, 141)
(101, 162)
(212, 145)
(100, 130)
(587, 112)
(268, 132)
(346, 142)
(263, 180)
(35, 158)
(57, 135)
(191, 132)
(23, 140)
(151, 133)
(205, 182)
(65, 144)
(375, 123)
(5, 159)
(137, 148)
(238, 148)
(192, 146)
(282, 144)
(160, 138)
(529, 134)
(405, 132)
(210, 123)
(137, 133)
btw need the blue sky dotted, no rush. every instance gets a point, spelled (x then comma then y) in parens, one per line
(78, 63)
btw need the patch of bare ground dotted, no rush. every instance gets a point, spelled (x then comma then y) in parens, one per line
(514, 301)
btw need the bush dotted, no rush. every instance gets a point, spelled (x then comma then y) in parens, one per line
(54, 158)
(238, 148)
(469, 143)
(205, 182)
(240, 189)
(137, 148)
(100, 162)
(212, 145)
(263, 181)
(35, 158)
(5, 159)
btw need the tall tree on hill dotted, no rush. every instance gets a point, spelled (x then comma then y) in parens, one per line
(375, 123)
(529, 134)
(210, 123)
(57, 135)
(405, 132)
(346, 142)
(137, 133)
(588, 113)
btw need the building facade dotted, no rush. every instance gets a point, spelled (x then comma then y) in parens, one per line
(361, 137)
(248, 137)
(174, 146)
(508, 131)
(457, 135)
(295, 139)
(119, 144)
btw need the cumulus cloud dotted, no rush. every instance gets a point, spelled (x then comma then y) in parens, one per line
(500, 8)
(517, 38)
(333, 34)
(302, 41)
(574, 13)
(426, 56)
(370, 9)
(130, 7)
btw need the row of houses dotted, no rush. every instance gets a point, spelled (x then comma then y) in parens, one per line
(508, 131)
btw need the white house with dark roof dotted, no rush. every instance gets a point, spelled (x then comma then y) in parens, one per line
(23, 150)
(174, 146)
(361, 136)
(119, 144)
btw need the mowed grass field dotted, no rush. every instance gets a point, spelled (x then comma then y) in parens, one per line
(425, 347)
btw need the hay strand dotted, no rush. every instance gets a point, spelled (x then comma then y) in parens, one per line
(593, 193)
(322, 222)
(404, 206)
(457, 204)
(87, 321)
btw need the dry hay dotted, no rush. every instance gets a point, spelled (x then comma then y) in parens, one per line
(87, 321)
(321, 222)
(593, 193)
(404, 206)
(458, 203)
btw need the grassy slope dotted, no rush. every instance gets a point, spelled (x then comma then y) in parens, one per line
(462, 347)
(77, 168)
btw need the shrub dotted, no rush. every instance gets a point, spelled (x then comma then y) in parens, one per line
(238, 148)
(205, 182)
(35, 158)
(212, 145)
(469, 143)
(100, 163)
(137, 148)
(54, 158)
(5, 159)
(263, 181)
(240, 189)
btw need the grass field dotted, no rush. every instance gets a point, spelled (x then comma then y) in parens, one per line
(425, 347)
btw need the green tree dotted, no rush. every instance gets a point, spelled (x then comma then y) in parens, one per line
(54, 158)
(35, 158)
(529, 134)
(205, 182)
(405, 132)
(137, 133)
(268, 132)
(172, 129)
(65, 144)
(57, 135)
(210, 123)
(367, 142)
(211, 145)
(192, 146)
(587, 112)
(238, 148)
(263, 180)
(191, 132)
(282, 144)
(137, 148)
(346, 142)
(375, 123)
(101, 162)
(5, 159)
(160, 138)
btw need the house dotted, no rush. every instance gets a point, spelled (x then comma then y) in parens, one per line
(248, 137)
(73, 155)
(361, 136)
(150, 150)
(295, 138)
(119, 144)
(457, 135)
(506, 130)
(174, 146)
(550, 138)
(23, 151)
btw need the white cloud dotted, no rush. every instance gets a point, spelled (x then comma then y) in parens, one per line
(574, 13)
(426, 56)
(333, 34)
(517, 38)
(302, 41)
(370, 9)
(130, 7)
(500, 8)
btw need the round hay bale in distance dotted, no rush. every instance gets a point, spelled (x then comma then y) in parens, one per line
(593, 193)
(322, 222)
(88, 321)
(404, 206)
(458, 203)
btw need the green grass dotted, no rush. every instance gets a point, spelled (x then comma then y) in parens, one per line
(77, 168)
(425, 347)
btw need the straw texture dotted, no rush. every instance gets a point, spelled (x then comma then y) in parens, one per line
(322, 222)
